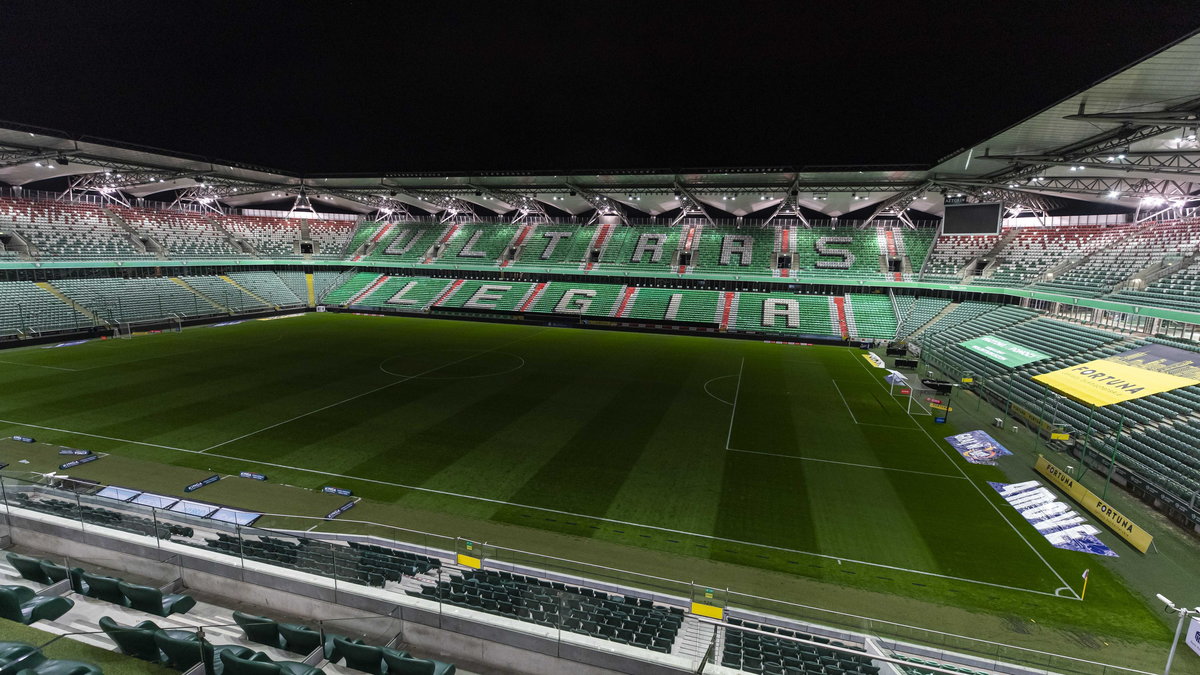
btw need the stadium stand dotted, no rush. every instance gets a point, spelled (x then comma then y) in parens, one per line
(270, 237)
(69, 231)
(504, 296)
(268, 286)
(629, 250)
(658, 304)
(914, 244)
(858, 257)
(182, 234)
(1179, 290)
(136, 299)
(951, 253)
(556, 245)
(873, 315)
(330, 237)
(224, 294)
(627, 620)
(404, 242)
(753, 651)
(560, 297)
(477, 245)
(917, 312)
(1158, 244)
(1035, 250)
(784, 313)
(736, 251)
(26, 307)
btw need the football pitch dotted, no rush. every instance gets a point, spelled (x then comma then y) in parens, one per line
(723, 459)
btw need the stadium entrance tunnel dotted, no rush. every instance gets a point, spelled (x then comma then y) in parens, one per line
(451, 364)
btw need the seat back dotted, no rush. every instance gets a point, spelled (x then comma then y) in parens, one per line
(48, 607)
(183, 654)
(53, 571)
(258, 629)
(10, 606)
(16, 656)
(28, 568)
(104, 588)
(299, 639)
(411, 666)
(366, 658)
(236, 665)
(143, 598)
(132, 640)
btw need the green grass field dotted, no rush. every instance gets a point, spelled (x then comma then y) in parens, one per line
(782, 471)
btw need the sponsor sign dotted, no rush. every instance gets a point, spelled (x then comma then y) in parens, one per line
(905, 392)
(24, 439)
(874, 360)
(1193, 635)
(929, 399)
(72, 451)
(1054, 520)
(224, 323)
(1136, 536)
(199, 484)
(76, 462)
(941, 406)
(977, 447)
(967, 380)
(1056, 436)
(939, 420)
(252, 475)
(1002, 351)
(336, 491)
(701, 609)
(340, 510)
(66, 344)
(1130, 375)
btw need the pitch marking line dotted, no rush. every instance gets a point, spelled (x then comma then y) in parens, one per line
(843, 397)
(834, 461)
(500, 502)
(733, 412)
(719, 377)
(107, 438)
(402, 380)
(983, 495)
(34, 365)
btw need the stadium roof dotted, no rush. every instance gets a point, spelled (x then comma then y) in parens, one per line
(1129, 140)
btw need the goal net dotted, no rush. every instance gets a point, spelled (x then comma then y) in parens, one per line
(123, 331)
(922, 400)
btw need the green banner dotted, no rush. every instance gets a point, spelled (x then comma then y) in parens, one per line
(1003, 352)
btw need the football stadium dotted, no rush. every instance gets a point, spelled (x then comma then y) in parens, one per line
(913, 420)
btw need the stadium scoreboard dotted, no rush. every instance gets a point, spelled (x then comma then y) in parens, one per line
(972, 218)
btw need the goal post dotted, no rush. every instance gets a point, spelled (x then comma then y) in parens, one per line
(123, 331)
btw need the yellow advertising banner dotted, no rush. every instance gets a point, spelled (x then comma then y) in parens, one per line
(1136, 536)
(708, 610)
(1106, 381)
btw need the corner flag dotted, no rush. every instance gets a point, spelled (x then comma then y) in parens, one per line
(1085, 578)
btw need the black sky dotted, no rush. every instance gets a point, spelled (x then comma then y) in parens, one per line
(369, 87)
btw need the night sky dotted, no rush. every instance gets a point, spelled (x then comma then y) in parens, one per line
(364, 87)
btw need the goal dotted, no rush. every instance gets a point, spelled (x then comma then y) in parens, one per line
(127, 329)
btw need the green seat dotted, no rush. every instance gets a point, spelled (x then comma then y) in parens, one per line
(36, 608)
(366, 658)
(19, 655)
(22, 593)
(183, 654)
(151, 600)
(259, 629)
(303, 640)
(104, 588)
(411, 666)
(29, 568)
(136, 641)
(261, 664)
(61, 667)
(55, 572)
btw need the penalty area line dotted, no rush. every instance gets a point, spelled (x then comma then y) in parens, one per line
(835, 461)
(500, 502)
(982, 494)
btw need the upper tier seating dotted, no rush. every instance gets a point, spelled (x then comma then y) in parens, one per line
(1162, 242)
(915, 243)
(952, 252)
(720, 250)
(863, 262)
(1035, 250)
(271, 237)
(1180, 290)
(69, 231)
(560, 245)
(641, 248)
(24, 306)
(184, 235)
(404, 242)
(330, 237)
(477, 245)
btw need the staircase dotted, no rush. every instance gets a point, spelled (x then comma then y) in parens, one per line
(598, 243)
(728, 310)
(369, 245)
(227, 279)
(236, 242)
(838, 311)
(627, 298)
(933, 320)
(438, 248)
(74, 305)
(308, 285)
(1154, 272)
(533, 296)
(367, 290)
(184, 284)
(514, 248)
(141, 242)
